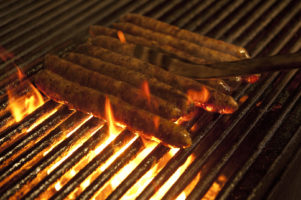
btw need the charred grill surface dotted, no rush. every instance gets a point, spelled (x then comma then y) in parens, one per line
(239, 156)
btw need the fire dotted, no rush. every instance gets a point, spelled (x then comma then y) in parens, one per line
(113, 129)
(156, 122)
(186, 118)
(189, 187)
(176, 175)
(215, 188)
(198, 97)
(252, 78)
(121, 36)
(21, 106)
(146, 90)
(243, 98)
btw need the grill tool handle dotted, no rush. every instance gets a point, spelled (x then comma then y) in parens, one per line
(235, 68)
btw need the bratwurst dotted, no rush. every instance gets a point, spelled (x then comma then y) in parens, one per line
(92, 101)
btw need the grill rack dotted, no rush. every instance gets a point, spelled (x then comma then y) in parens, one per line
(237, 22)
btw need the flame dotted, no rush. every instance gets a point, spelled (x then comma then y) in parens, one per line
(252, 78)
(22, 106)
(156, 122)
(215, 188)
(146, 91)
(113, 129)
(198, 97)
(189, 187)
(121, 36)
(187, 117)
(243, 99)
(176, 175)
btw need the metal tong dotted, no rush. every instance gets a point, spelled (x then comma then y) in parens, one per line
(256, 65)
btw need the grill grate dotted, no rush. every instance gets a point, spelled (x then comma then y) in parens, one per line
(238, 156)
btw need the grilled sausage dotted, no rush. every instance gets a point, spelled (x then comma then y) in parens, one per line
(166, 61)
(92, 101)
(209, 55)
(108, 85)
(183, 34)
(202, 95)
(136, 39)
(136, 79)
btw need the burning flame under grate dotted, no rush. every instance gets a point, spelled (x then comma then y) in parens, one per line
(59, 153)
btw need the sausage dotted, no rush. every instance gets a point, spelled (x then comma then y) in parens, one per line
(92, 101)
(134, 78)
(209, 55)
(136, 39)
(156, 57)
(108, 85)
(220, 101)
(183, 34)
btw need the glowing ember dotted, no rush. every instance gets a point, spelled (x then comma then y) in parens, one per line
(121, 36)
(198, 97)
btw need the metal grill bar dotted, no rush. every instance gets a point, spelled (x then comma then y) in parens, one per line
(34, 136)
(57, 152)
(89, 145)
(12, 8)
(26, 158)
(13, 19)
(126, 156)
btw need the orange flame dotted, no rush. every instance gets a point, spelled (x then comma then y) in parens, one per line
(121, 36)
(187, 117)
(215, 188)
(243, 99)
(113, 129)
(252, 78)
(189, 187)
(146, 90)
(198, 97)
(176, 175)
(22, 106)
(156, 122)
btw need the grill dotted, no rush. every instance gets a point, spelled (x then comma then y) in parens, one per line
(56, 153)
